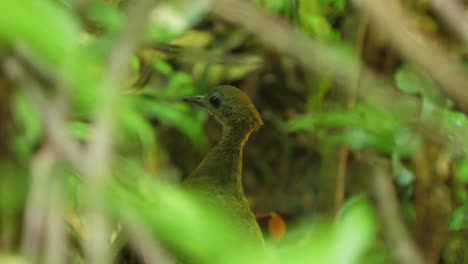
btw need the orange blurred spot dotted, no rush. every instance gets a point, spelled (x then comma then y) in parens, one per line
(276, 226)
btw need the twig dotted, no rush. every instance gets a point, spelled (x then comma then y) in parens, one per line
(56, 238)
(322, 58)
(150, 249)
(454, 14)
(344, 150)
(401, 28)
(313, 55)
(401, 245)
(101, 140)
(285, 38)
(433, 205)
(24, 71)
(35, 211)
(43, 208)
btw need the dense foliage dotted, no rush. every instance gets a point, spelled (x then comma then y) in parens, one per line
(361, 159)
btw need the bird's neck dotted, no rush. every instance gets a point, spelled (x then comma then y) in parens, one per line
(228, 153)
(222, 166)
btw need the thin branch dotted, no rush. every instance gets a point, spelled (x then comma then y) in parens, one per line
(150, 249)
(326, 59)
(56, 238)
(99, 154)
(402, 247)
(402, 30)
(285, 38)
(23, 69)
(35, 211)
(320, 57)
(454, 14)
(344, 150)
(43, 208)
(376, 90)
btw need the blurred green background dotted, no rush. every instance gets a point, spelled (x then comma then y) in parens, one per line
(361, 158)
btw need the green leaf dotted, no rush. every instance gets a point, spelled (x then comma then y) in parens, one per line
(79, 129)
(358, 224)
(411, 80)
(171, 19)
(29, 123)
(279, 6)
(179, 116)
(402, 174)
(181, 84)
(365, 126)
(42, 26)
(459, 219)
(134, 124)
(163, 67)
(461, 171)
(408, 80)
(319, 27)
(453, 118)
(340, 4)
(106, 15)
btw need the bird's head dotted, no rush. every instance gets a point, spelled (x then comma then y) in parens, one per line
(230, 106)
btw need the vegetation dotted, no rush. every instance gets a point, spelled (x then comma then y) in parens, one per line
(362, 158)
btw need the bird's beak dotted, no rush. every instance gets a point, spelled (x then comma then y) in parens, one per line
(195, 100)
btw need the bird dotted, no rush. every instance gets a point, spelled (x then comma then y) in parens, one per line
(219, 175)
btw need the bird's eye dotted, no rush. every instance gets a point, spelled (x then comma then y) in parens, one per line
(214, 101)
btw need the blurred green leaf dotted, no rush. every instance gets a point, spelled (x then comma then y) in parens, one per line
(402, 174)
(460, 192)
(208, 234)
(345, 241)
(209, 237)
(79, 129)
(453, 119)
(461, 171)
(170, 19)
(412, 81)
(459, 219)
(319, 27)
(55, 38)
(312, 18)
(284, 7)
(163, 67)
(133, 124)
(106, 15)
(340, 4)
(28, 119)
(29, 123)
(358, 223)
(189, 123)
(365, 126)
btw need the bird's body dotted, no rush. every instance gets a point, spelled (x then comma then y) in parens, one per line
(218, 177)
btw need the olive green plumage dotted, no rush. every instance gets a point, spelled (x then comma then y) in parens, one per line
(218, 176)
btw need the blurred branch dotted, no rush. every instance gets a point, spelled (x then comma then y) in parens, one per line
(351, 101)
(346, 69)
(403, 32)
(36, 209)
(23, 69)
(326, 59)
(454, 14)
(99, 154)
(44, 208)
(401, 244)
(149, 248)
(56, 237)
(319, 57)
(285, 38)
